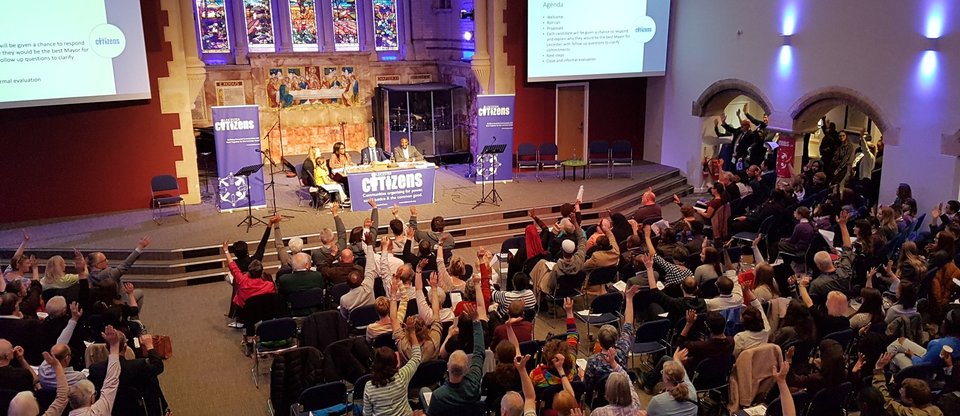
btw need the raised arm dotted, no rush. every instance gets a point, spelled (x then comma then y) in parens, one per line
(23, 244)
(112, 380)
(536, 220)
(262, 247)
(67, 332)
(557, 361)
(282, 253)
(804, 291)
(529, 394)
(63, 389)
(651, 250)
(844, 232)
(573, 335)
(128, 262)
(235, 274)
(374, 217)
(648, 264)
(341, 229)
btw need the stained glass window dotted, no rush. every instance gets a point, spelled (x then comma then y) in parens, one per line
(303, 25)
(259, 20)
(346, 37)
(212, 26)
(385, 31)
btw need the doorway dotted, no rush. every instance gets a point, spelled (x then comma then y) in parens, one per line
(571, 122)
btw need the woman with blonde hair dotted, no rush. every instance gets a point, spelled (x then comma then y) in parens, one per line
(888, 223)
(55, 275)
(321, 175)
(679, 396)
(910, 266)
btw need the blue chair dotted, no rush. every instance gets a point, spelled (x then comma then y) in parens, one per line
(598, 154)
(844, 338)
(384, 340)
(621, 154)
(549, 157)
(165, 192)
(306, 302)
(651, 338)
(361, 317)
(336, 292)
(830, 402)
(273, 337)
(605, 309)
(800, 400)
(568, 286)
(331, 397)
(527, 158)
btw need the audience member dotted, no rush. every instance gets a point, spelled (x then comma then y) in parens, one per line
(83, 395)
(387, 392)
(620, 344)
(462, 388)
(101, 270)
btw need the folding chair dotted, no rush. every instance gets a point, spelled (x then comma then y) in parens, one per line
(335, 293)
(568, 286)
(800, 401)
(361, 317)
(273, 337)
(651, 338)
(548, 157)
(621, 154)
(598, 154)
(605, 309)
(306, 302)
(331, 397)
(165, 192)
(527, 158)
(830, 402)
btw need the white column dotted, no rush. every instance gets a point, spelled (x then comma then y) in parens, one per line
(196, 70)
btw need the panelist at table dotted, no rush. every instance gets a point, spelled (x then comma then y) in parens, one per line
(372, 154)
(339, 161)
(406, 153)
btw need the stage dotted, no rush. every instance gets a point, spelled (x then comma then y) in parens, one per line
(184, 253)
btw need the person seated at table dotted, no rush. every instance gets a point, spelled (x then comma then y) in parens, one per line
(340, 160)
(322, 178)
(372, 154)
(406, 153)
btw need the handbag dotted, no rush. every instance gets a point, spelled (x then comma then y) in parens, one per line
(162, 345)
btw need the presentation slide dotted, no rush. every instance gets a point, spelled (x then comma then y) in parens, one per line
(72, 51)
(587, 39)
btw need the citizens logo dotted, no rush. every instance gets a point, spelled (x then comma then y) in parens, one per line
(494, 110)
(107, 41)
(644, 29)
(232, 124)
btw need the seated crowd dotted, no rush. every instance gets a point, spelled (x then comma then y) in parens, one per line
(73, 341)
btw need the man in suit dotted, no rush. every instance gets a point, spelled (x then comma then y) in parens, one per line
(372, 154)
(18, 331)
(136, 376)
(406, 153)
(100, 269)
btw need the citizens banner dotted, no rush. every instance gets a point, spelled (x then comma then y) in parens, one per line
(785, 155)
(236, 133)
(388, 187)
(494, 126)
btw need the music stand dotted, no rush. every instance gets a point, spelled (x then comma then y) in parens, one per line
(250, 219)
(493, 195)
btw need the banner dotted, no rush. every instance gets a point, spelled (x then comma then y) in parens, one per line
(494, 126)
(785, 155)
(236, 132)
(401, 186)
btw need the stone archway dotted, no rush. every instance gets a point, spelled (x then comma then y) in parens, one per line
(806, 111)
(715, 98)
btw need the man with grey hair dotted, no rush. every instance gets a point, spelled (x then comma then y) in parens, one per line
(834, 277)
(512, 403)
(83, 393)
(101, 270)
(301, 279)
(331, 244)
(598, 366)
(61, 349)
(462, 389)
(16, 378)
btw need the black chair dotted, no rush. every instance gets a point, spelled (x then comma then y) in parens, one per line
(358, 387)
(764, 229)
(361, 317)
(830, 402)
(260, 308)
(306, 302)
(598, 397)
(165, 192)
(603, 275)
(384, 340)
(527, 158)
(324, 396)
(428, 374)
(844, 338)
(712, 378)
(925, 372)
(273, 337)
(621, 154)
(598, 154)
(545, 395)
(651, 338)
(800, 400)
(336, 292)
(532, 348)
(549, 157)
(605, 309)
(568, 286)
(708, 289)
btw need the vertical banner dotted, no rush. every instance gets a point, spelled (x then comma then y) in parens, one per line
(212, 26)
(785, 155)
(494, 126)
(385, 30)
(236, 133)
(346, 36)
(303, 25)
(259, 26)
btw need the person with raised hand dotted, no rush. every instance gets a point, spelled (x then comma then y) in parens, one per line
(915, 394)
(387, 392)
(679, 397)
(513, 404)
(462, 388)
(101, 270)
(83, 393)
(609, 338)
(545, 374)
(619, 391)
(786, 397)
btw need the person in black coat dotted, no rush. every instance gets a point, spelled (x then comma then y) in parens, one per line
(138, 376)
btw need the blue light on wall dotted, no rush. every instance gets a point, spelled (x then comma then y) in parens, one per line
(789, 28)
(934, 25)
(927, 74)
(388, 57)
(785, 60)
(789, 19)
(468, 55)
(933, 29)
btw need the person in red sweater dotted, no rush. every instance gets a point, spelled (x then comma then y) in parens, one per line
(522, 328)
(252, 283)
(483, 264)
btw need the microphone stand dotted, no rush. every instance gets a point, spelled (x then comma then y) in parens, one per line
(266, 154)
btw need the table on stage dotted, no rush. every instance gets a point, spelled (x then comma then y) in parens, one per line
(404, 183)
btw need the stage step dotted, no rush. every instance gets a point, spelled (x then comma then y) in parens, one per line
(204, 264)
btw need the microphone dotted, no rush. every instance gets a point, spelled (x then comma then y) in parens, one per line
(494, 140)
(267, 152)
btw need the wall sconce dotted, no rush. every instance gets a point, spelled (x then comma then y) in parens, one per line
(933, 44)
(787, 39)
(466, 15)
(468, 35)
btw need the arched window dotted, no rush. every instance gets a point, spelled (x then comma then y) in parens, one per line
(346, 34)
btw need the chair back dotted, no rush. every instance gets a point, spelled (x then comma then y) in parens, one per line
(603, 275)
(708, 289)
(607, 303)
(164, 183)
(384, 340)
(598, 149)
(529, 314)
(830, 402)
(800, 400)
(428, 374)
(307, 299)
(844, 337)
(359, 386)
(568, 286)
(547, 394)
(621, 149)
(512, 242)
(337, 291)
(323, 396)
(277, 329)
(526, 150)
(261, 308)
(921, 371)
(549, 150)
(654, 331)
(712, 373)
(732, 315)
(363, 316)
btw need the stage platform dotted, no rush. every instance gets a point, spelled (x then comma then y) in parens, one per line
(187, 252)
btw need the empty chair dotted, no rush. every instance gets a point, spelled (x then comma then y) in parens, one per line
(830, 402)
(621, 154)
(605, 309)
(273, 337)
(306, 302)
(603, 275)
(598, 154)
(363, 316)
(568, 286)
(165, 192)
(384, 340)
(527, 158)
(651, 338)
(428, 374)
(844, 338)
(548, 157)
(330, 396)
(800, 400)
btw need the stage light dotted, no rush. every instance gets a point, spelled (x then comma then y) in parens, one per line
(785, 60)
(928, 68)
(388, 57)
(789, 20)
(934, 24)
(466, 15)
(468, 35)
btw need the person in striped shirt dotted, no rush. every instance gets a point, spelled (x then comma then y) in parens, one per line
(387, 393)
(521, 291)
(545, 374)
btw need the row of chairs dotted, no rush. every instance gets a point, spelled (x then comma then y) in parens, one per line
(600, 153)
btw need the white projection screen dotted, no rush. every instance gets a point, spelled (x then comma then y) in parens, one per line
(570, 40)
(72, 51)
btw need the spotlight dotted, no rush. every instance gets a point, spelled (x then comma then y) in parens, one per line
(468, 35)
(465, 15)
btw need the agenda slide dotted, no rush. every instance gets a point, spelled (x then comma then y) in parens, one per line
(72, 51)
(588, 39)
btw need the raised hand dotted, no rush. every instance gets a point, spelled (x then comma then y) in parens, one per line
(128, 288)
(521, 362)
(26, 237)
(413, 210)
(395, 210)
(111, 336)
(631, 292)
(147, 341)
(756, 241)
(843, 217)
(937, 210)
(372, 202)
(676, 199)
(568, 305)
(781, 375)
(411, 324)
(861, 359)
(884, 360)
(75, 311)
(557, 360)
(947, 358)
(532, 213)
(610, 356)
(144, 242)
(422, 264)
(335, 208)
(646, 260)
(681, 355)
(275, 219)
(51, 360)
(434, 280)
(691, 316)
(790, 352)
(226, 248)
(470, 310)
(395, 287)
(384, 244)
(513, 321)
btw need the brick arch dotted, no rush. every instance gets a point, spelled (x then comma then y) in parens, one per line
(807, 109)
(715, 98)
